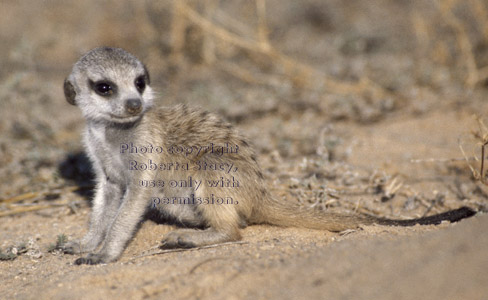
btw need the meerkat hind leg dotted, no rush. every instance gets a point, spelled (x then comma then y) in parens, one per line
(223, 222)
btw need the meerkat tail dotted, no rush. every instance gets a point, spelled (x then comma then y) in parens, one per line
(451, 216)
(288, 216)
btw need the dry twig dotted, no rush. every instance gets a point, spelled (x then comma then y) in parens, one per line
(22, 208)
(482, 136)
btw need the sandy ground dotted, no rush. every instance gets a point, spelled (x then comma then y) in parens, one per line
(376, 262)
(394, 153)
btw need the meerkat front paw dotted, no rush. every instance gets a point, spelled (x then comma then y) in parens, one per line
(93, 259)
(78, 247)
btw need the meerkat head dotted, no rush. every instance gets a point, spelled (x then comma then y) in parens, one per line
(109, 84)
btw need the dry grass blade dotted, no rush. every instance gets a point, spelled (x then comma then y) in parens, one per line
(393, 187)
(482, 136)
(208, 49)
(217, 31)
(17, 209)
(19, 198)
(302, 74)
(473, 171)
(446, 8)
(439, 160)
(178, 26)
(25, 209)
(157, 252)
(262, 26)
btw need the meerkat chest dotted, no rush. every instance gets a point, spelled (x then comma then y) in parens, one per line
(104, 147)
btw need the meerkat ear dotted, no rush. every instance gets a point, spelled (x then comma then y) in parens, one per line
(69, 92)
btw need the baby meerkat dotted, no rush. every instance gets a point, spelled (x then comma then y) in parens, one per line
(184, 164)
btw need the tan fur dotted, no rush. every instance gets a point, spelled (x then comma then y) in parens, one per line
(111, 87)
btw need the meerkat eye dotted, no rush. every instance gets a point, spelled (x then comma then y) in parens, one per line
(140, 83)
(103, 88)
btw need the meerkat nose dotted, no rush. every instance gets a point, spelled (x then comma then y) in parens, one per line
(133, 106)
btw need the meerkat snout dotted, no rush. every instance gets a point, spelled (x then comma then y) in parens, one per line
(133, 106)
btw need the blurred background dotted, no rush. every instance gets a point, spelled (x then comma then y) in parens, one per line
(359, 105)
